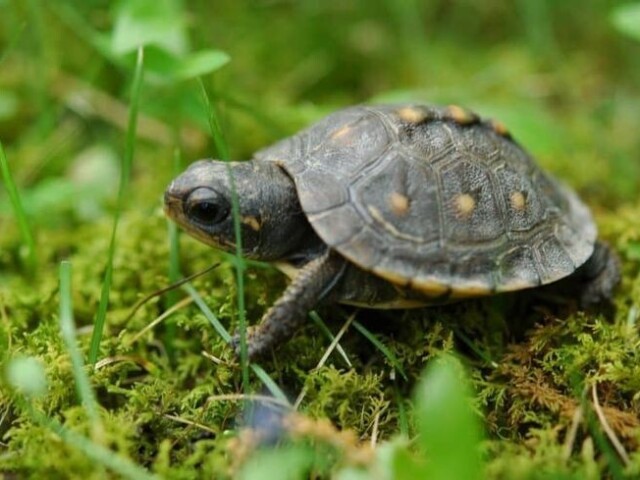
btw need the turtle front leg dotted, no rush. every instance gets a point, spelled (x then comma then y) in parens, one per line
(599, 276)
(313, 282)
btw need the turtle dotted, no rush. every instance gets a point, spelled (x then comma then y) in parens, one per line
(394, 206)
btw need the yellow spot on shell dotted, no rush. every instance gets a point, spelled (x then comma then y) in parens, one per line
(341, 134)
(499, 128)
(465, 205)
(412, 114)
(518, 202)
(460, 115)
(252, 222)
(399, 204)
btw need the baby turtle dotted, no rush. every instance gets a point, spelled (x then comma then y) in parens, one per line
(394, 206)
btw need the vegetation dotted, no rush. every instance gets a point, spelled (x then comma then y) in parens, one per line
(102, 103)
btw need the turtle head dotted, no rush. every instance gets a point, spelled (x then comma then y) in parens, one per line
(272, 223)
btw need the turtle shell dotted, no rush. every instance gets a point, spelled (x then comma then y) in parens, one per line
(435, 199)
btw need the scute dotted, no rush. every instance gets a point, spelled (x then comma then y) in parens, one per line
(435, 199)
(401, 197)
(470, 204)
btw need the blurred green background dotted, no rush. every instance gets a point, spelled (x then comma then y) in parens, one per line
(564, 76)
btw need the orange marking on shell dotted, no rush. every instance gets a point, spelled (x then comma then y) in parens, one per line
(461, 115)
(412, 114)
(465, 205)
(399, 204)
(341, 133)
(517, 200)
(499, 128)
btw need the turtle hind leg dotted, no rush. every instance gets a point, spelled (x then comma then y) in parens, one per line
(313, 282)
(598, 277)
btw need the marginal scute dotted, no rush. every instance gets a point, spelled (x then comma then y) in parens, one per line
(555, 261)
(461, 115)
(412, 114)
(392, 276)
(430, 286)
(499, 128)
(366, 247)
(470, 289)
(517, 269)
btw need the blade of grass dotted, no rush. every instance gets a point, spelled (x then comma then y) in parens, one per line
(393, 360)
(204, 308)
(264, 377)
(268, 382)
(324, 329)
(223, 152)
(324, 358)
(403, 418)
(214, 124)
(125, 173)
(174, 268)
(477, 350)
(21, 217)
(68, 332)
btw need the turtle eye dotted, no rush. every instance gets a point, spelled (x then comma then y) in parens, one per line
(206, 207)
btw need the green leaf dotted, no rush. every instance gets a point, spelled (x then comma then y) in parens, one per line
(626, 19)
(405, 466)
(450, 432)
(149, 22)
(291, 462)
(165, 67)
(200, 63)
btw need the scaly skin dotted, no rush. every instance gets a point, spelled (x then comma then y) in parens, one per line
(599, 276)
(289, 312)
